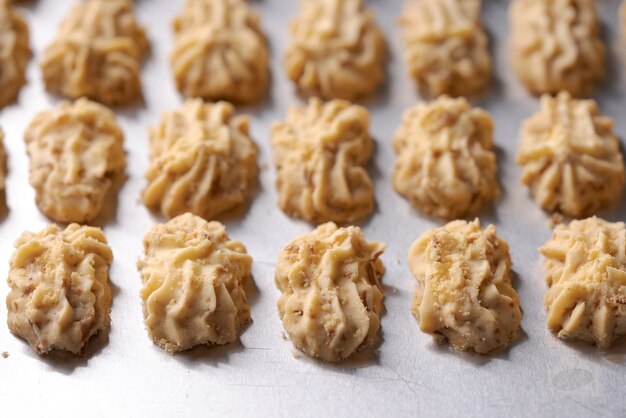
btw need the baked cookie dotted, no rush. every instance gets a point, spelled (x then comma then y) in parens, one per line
(446, 46)
(60, 295)
(14, 52)
(220, 51)
(446, 166)
(76, 154)
(320, 153)
(556, 45)
(336, 50)
(202, 161)
(97, 53)
(571, 157)
(464, 293)
(193, 284)
(585, 265)
(331, 296)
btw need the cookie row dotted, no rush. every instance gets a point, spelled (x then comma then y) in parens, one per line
(194, 278)
(204, 161)
(337, 50)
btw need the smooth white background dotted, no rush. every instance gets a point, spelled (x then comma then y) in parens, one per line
(127, 375)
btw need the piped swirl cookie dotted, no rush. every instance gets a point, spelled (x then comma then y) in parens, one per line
(571, 157)
(464, 293)
(14, 52)
(220, 51)
(585, 267)
(60, 295)
(331, 296)
(76, 156)
(202, 161)
(320, 153)
(97, 53)
(446, 166)
(446, 46)
(193, 284)
(336, 51)
(556, 45)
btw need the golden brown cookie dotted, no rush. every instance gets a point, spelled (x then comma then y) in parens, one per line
(76, 154)
(193, 284)
(97, 53)
(331, 296)
(14, 52)
(556, 45)
(446, 46)
(202, 161)
(220, 51)
(585, 265)
(464, 293)
(446, 165)
(571, 157)
(60, 295)
(336, 51)
(320, 153)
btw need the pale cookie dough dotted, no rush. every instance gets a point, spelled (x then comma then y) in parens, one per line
(446, 46)
(76, 154)
(464, 293)
(193, 284)
(202, 161)
(446, 165)
(556, 45)
(571, 157)
(220, 51)
(14, 52)
(97, 53)
(337, 50)
(321, 152)
(331, 295)
(585, 265)
(60, 295)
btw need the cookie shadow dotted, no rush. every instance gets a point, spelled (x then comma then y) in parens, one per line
(615, 354)
(443, 348)
(65, 362)
(213, 355)
(108, 213)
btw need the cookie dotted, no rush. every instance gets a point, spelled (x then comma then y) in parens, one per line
(556, 45)
(202, 161)
(60, 295)
(14, 52)
(446, 48)
(220, 51)
(464, 293)
(76, 154)
(336, 51)
(446, 166)
(193, 284)
(585, 267)
(320, 153)
(97, 53)
(570, 156)
(331, 295)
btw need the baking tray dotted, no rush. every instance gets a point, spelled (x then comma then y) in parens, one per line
(127, 375)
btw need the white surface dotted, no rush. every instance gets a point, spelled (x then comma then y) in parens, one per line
(129, 376)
